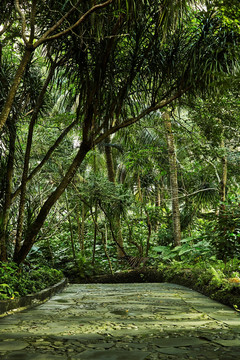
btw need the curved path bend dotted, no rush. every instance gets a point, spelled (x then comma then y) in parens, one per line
(144, 321)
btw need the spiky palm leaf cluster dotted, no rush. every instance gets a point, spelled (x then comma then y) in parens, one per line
(123, 60)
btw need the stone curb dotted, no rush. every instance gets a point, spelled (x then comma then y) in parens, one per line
(31, 300)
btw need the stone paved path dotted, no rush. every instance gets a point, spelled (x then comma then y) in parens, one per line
(122, 322)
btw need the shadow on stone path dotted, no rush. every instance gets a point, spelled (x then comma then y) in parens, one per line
(145, 321)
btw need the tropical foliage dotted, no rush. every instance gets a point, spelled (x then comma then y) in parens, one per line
(119, 134)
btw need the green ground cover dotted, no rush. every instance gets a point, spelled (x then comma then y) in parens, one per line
(19, 281)
(219, 281)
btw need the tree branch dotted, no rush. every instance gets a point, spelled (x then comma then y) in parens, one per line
(17, 7)
(133, 120)
(45, 37)
(193, 193)
(47, 156)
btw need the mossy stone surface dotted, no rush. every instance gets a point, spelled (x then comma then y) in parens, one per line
(144, 321)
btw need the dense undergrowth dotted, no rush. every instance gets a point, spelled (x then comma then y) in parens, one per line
(19, 281)
(203, 262)
(217, 280)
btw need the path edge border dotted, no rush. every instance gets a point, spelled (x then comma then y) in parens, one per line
(31, 300)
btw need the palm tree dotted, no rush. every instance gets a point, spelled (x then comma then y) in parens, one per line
(125, 54)
(33, 36)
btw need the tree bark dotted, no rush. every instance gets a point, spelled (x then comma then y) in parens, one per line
(27, 159)
(8, 191)
(95, 217)
(109, 161)
(173, 179)
(81, 227)
(117, 219)
(149, 225)
(157, 195)
(46, 157)
(13, 89)
(104, 240)
(224, 175)
(70, 227)
(139, 187)
(38, 223)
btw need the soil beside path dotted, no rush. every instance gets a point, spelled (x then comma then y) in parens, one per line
(142, 321)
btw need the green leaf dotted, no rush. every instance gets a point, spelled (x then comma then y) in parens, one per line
(160, 248)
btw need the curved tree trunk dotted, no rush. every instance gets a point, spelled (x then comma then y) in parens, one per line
(46, 157)
(173, 179)
(38, 223)
(4, 216)
(16, 82)
(27, 159)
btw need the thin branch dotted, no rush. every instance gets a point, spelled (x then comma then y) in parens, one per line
(47, 156)
(44, 38)
(194, 193)
(215, 168)
(133, 120)
(58, 23)
(22, 15)
(6, 25)
(56, 226)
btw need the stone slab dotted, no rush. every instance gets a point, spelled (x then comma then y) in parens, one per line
(178, 341)
(33, 356)
(12, 345)
(111, 355)
(229, 343)
(122, 321)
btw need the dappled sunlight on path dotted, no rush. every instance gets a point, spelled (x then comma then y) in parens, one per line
(123, 321)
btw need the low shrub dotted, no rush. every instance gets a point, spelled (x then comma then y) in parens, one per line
(19, 281)
(215, 281)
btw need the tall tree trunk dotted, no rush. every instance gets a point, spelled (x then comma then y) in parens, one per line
(139, 186)
(52, 199)
(95, 215)
(109, 161)
(158, 196)
(70, 227)
(13, 89)
(95, 232)
(104, 240)
(157, 205)
(117, 218)
(149, 225)
(173, 179)
(7, 193)
(46, 157)
(81, 227)
(27, 159)
(224, 175)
